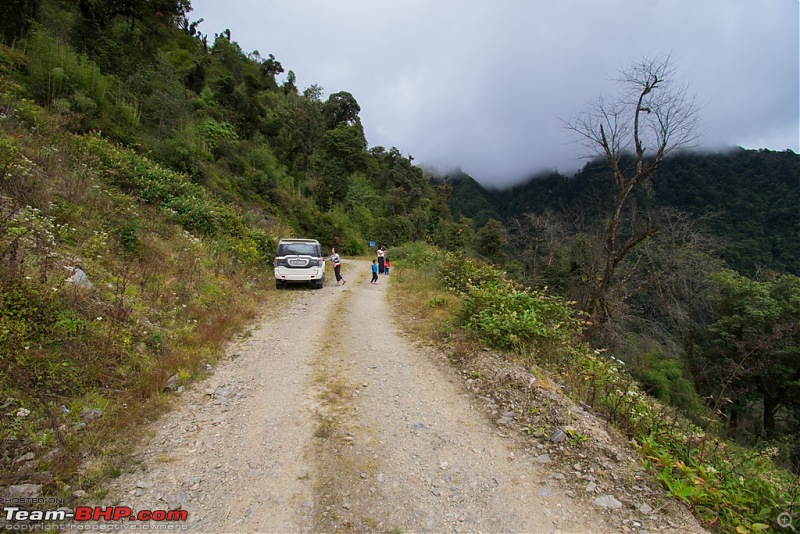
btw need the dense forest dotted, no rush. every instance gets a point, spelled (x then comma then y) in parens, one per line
(131, 140)
(747, 199)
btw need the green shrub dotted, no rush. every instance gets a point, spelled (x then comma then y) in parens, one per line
(511, 318)
(129, 235)
(417, 254)
(660, 375)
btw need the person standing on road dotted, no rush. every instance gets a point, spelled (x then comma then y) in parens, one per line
(374, 272)
(337, 267)
(381, 259)
(386, 267)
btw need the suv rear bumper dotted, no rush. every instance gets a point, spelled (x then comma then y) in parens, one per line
(299, 275)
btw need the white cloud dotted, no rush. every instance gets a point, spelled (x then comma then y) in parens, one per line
(481, 84)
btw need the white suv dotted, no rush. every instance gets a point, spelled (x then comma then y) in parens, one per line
(299, 260)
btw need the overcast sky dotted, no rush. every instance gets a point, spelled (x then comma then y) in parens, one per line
(482, 84)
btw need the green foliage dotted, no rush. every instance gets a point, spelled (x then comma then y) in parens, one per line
(661, 375)
(417, 253)
(490, 240)
(470, 200)
(461, 274)
(511, 318)
(343, 154)
(733, 491)
(505, 315)
(9, 156)
(730, 488)
(216, 114)
(189, 203)
(74, 85)
(129, 235)
(341, 108)
(753, 347)
(394, 230)
(216, 134)
(335, 228)
(455, 236)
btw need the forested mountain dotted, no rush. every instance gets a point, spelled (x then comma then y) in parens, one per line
(469, 199)
(748, 199)
(146, 75)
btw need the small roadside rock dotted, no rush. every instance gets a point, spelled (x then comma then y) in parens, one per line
(171, 384)
(607, 501)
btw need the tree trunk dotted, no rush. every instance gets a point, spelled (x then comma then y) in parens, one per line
(771, 406)
(27, 11)
(733, 422)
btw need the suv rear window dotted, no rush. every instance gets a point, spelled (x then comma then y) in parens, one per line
(298, 249)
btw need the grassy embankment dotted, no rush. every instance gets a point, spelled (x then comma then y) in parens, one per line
(171, 273)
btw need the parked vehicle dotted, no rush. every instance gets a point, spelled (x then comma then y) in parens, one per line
(299, 260)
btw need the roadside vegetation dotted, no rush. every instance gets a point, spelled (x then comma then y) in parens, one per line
(730, 488)
(119, 277)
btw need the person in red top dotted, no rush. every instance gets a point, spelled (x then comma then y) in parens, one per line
(386, 267)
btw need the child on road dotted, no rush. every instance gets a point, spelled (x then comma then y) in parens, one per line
(374, 272)
(386, 267)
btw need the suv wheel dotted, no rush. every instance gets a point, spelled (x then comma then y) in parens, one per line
(279, 284)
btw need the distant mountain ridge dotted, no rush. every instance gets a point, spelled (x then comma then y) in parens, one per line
(749, 199)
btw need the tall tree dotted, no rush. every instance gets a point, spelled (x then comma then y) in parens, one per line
(341, 107)
(541, 237)
(490, 240)
(753, 350)
(633, 132)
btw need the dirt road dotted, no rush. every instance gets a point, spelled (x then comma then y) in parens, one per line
(327, 418)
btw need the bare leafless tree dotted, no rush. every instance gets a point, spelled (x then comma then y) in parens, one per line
(543, 235)
(652, 116)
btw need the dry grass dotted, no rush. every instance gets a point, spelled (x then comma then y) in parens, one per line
(426, 310)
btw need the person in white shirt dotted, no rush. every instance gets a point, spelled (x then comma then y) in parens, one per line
(337, 267)
(381, 260)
